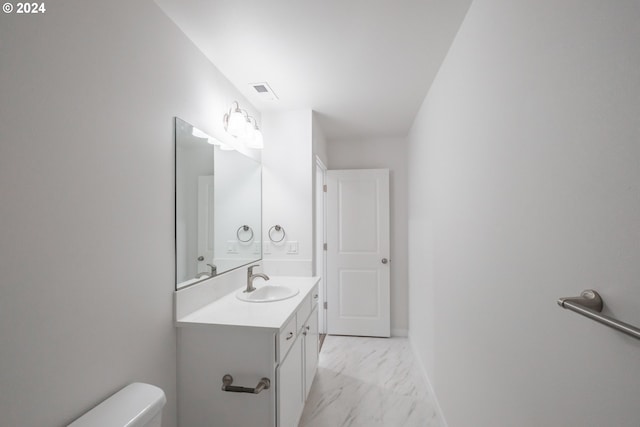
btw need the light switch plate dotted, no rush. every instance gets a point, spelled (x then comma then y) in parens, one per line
(292, 247)
(266, 248)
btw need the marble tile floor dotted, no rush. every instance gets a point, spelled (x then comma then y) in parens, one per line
(372, 382)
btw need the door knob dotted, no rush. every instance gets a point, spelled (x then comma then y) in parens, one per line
(384, 260)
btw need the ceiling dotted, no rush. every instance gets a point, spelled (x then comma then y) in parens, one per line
(363, 65)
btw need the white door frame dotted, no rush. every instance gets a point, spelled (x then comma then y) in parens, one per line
(206, 244)
(320, 269)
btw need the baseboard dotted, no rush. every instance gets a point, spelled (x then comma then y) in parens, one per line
(397, 332)
(432, 392)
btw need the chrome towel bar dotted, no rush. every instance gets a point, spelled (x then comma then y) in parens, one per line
(590, 304)
(227, 380)
(244, 228)
(279, 229)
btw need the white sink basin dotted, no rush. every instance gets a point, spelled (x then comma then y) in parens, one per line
(267, 293)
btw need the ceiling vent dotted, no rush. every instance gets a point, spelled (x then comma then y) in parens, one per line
(264, 91)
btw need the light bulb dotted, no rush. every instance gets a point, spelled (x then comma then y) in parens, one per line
(257, 142)
(236, 123)
(249, 134)
(198, 133)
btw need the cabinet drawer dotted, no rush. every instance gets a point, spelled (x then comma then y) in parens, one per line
(287, 337)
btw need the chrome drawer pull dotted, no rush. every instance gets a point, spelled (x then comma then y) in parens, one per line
(290, 336)
(227, 380)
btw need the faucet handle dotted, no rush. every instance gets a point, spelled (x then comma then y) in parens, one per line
(250, 269)
(213, 268)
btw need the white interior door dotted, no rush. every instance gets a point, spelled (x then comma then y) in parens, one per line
(205, 223)
(358, 270)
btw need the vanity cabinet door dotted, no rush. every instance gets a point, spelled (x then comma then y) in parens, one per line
(311, 343)
(290, 386)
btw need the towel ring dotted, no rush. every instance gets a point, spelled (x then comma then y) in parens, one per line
(277, 228)
(244, 228)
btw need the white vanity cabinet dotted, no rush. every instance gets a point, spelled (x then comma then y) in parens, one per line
(299, 365)
(249, 341)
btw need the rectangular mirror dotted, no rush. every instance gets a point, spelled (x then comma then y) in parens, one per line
(218, 207)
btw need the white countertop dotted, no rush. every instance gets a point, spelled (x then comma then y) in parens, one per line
(230, 311)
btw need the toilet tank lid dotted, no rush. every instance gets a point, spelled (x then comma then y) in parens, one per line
(133, 406)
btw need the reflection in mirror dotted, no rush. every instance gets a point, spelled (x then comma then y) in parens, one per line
(218, 207)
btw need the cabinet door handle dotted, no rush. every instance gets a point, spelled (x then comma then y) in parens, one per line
(289, 336)
(308, 327)
(227, 380)
(315, 296)
(304, 333)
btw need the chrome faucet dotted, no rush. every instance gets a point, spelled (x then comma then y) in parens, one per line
(251, 277)
(214, 269)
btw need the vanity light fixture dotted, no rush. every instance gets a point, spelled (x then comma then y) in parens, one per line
(256, 142)
(235, 121)
(238, 123)
(254, 139)
(248, 129)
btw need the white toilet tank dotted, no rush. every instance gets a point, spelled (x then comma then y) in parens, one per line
(136, 405)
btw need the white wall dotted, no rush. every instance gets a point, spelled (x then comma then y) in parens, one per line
(287, 191)
(89, 91)
(524, 187)
(388, 153)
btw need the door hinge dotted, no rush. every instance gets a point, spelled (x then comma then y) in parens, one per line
(324, 188)
(324, 246)
(325, 305)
